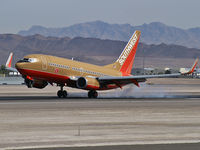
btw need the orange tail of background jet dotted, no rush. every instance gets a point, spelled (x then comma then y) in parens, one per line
(125, 61)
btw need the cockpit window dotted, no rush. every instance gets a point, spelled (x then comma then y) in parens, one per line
(30, 60)
(23, 60)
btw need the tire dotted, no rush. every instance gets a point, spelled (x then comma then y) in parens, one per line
(64, 94)
(60, 93)
(28, 83)
(95, 94)
(92, 94)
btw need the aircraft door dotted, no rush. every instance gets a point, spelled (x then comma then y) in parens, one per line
(44, 63)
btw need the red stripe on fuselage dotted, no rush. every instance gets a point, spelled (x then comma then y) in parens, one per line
(44, 75)
(60, 79)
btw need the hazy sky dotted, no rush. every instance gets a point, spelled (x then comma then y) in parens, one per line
(18, 15)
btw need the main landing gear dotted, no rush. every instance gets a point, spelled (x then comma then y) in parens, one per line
(92, 94)
(62, 93)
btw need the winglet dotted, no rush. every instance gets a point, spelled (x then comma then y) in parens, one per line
(9, 61)
(192, 68)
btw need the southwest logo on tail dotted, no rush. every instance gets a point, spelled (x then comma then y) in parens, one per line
(40, 70)
(125, 61)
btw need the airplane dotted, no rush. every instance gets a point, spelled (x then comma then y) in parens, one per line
(9, 63)
(38, 70)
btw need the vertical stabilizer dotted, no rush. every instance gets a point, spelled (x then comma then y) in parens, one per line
(9, 61)
(125, 61)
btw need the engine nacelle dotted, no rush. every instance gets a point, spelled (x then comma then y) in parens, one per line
(87, 82)
(40, 84)
(35, 83)
(81, 82)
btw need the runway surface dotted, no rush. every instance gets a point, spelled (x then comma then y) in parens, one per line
(182, 146)
(82, 122)
(35, 119)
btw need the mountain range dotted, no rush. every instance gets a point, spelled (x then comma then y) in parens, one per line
(92, 50)
(153, 33)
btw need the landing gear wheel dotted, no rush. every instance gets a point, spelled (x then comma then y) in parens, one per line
(64, 94)
(29, 83)
(92, 94)
(60, 93)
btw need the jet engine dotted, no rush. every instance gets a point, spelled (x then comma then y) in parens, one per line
(35, 83)
(87, 82)
(40, 84)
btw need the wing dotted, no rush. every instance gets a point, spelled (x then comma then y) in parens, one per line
(120, 80)
(11, 69)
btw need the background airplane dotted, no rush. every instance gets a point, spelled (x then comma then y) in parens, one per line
(38, 70)
(8, 65)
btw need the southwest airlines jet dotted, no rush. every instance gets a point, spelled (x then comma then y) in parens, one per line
(39, 70)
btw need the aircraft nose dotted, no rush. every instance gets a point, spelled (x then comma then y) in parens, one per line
(18, 65)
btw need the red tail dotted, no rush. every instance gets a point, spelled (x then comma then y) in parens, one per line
(125, 61)
(128, 63)
(9, 61)
(127, 57)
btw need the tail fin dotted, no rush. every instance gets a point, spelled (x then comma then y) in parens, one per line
(9, 61)
(9, 64)
(125, 61)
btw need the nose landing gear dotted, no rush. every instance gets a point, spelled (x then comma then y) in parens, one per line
(62, 93)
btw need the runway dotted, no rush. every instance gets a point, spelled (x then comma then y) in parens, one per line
(35, 119)
(82, 122)
(179, 146)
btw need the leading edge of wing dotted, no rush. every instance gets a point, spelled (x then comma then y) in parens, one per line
(11, 69)
(137, 77)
